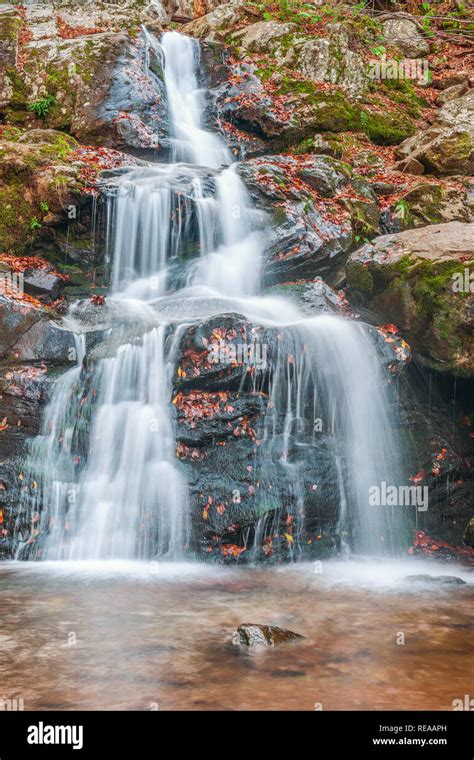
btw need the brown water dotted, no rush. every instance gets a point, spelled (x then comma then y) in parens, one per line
(136, 636)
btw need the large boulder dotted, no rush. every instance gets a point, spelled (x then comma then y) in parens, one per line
(48, 190)
(329, 60)
(29, 334)
(421, 280)
(76, 74)
(286, 109)
(38, 182)
(322, 60)
(263, 37)
(403, 34)
(216, 24)
(431, 202)
(447, 147)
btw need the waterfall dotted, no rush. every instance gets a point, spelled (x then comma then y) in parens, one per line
(336, 383)
(109, 483)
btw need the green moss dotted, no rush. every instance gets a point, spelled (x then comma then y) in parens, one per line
(61, 147)
(20, 93)
(15, 231)
(359, 277)
(57, 79)
(401, 92)
(334, 112)
(42, 106)
(305, 146)
(12, 134)
(10, 28)
(432, 281)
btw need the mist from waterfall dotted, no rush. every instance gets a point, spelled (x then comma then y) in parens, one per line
(189, 227)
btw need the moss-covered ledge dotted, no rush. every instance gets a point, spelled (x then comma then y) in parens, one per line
(423, 281)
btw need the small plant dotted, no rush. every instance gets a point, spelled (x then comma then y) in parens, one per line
(364, 121)
(379, 51)
(35, 224)
(426, 20)
(42, 106)
(402, 210)
(44, 207)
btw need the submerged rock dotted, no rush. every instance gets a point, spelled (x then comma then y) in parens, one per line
(436, 580)
(254, 635)
(312, 297)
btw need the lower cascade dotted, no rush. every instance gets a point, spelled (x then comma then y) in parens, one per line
(109, 482)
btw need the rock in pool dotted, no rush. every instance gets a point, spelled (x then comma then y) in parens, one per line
(436, 580)
(254, 635)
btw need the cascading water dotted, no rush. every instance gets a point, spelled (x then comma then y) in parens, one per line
(109, 485)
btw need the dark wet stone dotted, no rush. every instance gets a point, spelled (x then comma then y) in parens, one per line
(43, 283)
(303, 241)
(436, 580)
(254, 635)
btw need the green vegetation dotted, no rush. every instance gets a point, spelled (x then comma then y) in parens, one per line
(35, 224)
(42, 106)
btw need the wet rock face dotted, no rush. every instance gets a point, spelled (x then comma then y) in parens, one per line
(23, 393)
(305, 240)
(253, 635)
(417, 279)
(33, 349)
(313, 297)
(309, 236)
(134, 111)
(233, 450)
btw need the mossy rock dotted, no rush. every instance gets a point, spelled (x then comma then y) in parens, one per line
(433, 202)
(421, 281)
(31, 198)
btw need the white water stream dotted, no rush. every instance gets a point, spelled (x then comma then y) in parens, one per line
(129, 499)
